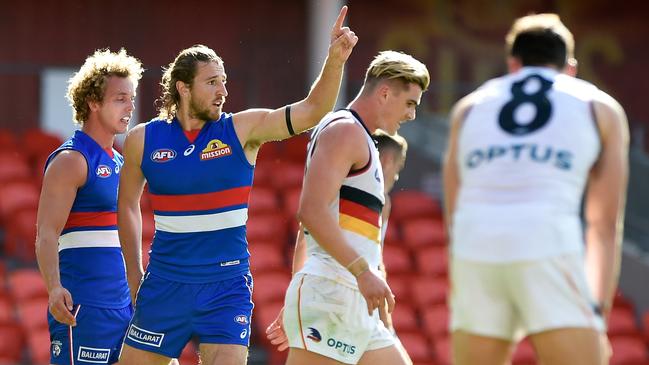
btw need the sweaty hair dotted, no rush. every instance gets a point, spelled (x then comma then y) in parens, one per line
(391, 65)
(183, 68)
(539, 40)
(395, 143)
(89, 83)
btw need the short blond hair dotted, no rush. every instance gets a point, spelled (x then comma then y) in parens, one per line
(392, 65)
(393, 142)
(89, 83)
(545, 30)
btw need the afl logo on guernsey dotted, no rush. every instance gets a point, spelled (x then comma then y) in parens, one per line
(163, 155)
(215, 149)
(103, 171)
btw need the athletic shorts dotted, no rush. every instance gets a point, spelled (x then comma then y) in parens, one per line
(511, 300)
(169, 313)
(328, 318)
(96, 339)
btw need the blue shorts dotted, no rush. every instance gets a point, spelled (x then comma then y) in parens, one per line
(96, 339)
(169, 313)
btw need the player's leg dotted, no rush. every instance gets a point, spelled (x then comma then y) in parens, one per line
(391, 355)
(222, 321)
(133, 356)
(298, 356)
(558, 311)
(484, 324)
(474, 349)
(569, 346)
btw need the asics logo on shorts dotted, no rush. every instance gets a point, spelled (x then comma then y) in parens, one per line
(314, 335)
(91, 354)
(145, 337)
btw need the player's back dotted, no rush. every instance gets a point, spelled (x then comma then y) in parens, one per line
(525, 149)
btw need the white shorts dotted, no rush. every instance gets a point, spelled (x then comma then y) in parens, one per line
(512, 300)
(328, 318)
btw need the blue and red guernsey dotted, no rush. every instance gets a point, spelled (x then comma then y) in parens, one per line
(90, 256)
(199, 193)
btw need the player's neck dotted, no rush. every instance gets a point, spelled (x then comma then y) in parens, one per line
(366, 110)
(187, 121)
(99, 133)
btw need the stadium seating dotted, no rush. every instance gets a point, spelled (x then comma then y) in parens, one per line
(263, 200)
(628, 351)
(397, 259)
(12, 344)
(26, 284)
(418, 232)
(404, 318)
(410, 204)
(267, 256)
(417, 346)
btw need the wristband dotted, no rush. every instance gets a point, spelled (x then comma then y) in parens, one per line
(358, 266)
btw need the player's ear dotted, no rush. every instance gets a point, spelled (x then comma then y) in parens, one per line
(513, 64)
(571, 67)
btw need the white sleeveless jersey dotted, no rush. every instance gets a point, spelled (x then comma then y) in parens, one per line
(525, 150)
(357, 209)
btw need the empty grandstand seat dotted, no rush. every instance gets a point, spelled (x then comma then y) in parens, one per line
(32, 314)
(397, 259)
(38, 143)
(20, 234)
(628, 350)
(265, 227)
(524, 354)
(295, 149)
(7, 316)
(392, 234)
(436, 321)
(417, 346)
(262, 200)
(270, 286)
(189, 356)
(38, 344)
(267, 256)
(13, 166)
(8, 140)
(423, 232)
(291, 201)
(428, 291)
(432, 260)
(622, 322)
(410, 204)
(26, 284)
(400, 285)
(442, 346)
(287, 175)
(12, 344)
(17, 195)
(268, 152)
(404, 318)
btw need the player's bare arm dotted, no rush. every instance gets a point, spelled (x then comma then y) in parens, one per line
(341, 148)
(450, 170)
(64, 176)
(256, 126)
(129, 216)
(605, 201)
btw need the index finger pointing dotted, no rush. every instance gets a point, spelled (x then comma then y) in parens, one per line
(341, 18)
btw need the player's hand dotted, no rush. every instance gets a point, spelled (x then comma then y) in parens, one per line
(60, 305)
(375, 291)
(275, 332)
(343, 39)
(134, 281)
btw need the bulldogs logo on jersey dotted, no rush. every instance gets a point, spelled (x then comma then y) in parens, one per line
(215, 149)
(103, 171)
(162, 155)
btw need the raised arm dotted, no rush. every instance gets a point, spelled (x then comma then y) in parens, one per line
(604, 202)
(65, 174)
(129, 216)
(256, 126)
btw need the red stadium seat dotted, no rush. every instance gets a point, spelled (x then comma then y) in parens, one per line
(17, 195)
(287, 175)
(423, 232)
(397, 259)
(628, 351)
(442, 348)
(13, 166)
(262, 200)
(622, 322)
(7, 315)
(33, 314)
(267, 256)
(38, 344)
(429, 291)
(417, 346)
(410, 204)
(268, 152)
(295, 149)
(26, 284)
(270, 286)
(432, 260)
(189, 356)
(436, 321)
(392, 234)
(404, 318)
(524, 354)
(265, 227)
(20, 235)
(401, 287)
(38, 143)
(11, 345)
(8, 140)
